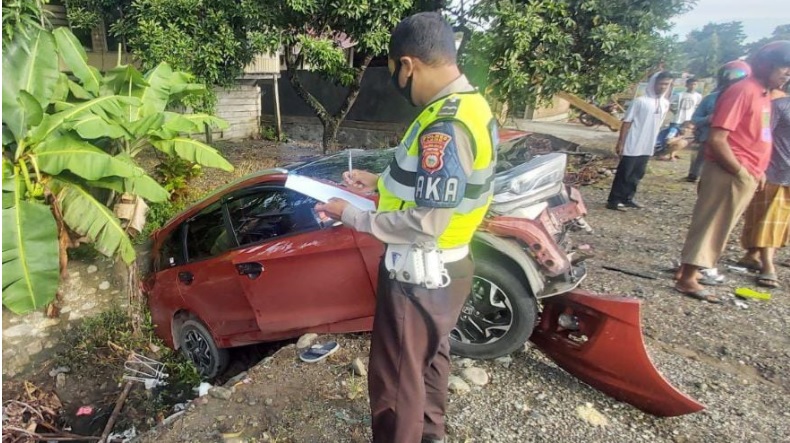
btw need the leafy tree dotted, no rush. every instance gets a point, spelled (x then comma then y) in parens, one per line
(781, 32)
(212, 39)
(310, 32)
(715, 44)
(533, 49)
(64, 139)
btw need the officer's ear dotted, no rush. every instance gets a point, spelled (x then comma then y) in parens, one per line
(407, 67)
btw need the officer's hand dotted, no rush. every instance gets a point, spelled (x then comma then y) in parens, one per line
(333, 208)
(360, 180)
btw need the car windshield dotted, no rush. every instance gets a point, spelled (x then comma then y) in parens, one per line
(332, 167)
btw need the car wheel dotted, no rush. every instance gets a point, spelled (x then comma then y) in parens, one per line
(587, 119)
(198, 346)
(497, 318)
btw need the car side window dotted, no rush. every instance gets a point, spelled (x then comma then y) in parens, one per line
(172, 250)
(266, 213)
(206, 234)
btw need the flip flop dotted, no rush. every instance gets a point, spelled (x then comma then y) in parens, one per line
(768, 280)
(752, 265)
(702, 295)
(319, 352)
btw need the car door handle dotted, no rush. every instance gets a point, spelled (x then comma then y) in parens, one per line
(186, 277)
(252, 270)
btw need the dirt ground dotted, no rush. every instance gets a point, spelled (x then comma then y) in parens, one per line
(734, 358)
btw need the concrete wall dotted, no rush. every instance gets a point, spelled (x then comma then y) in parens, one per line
(355, 134)
(557, 110)
(241, 108)
(377, 101)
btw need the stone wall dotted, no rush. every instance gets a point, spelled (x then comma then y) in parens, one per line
(353, 134)
(89, 289)
(241, 107)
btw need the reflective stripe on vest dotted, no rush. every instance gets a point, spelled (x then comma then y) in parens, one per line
(397, 183)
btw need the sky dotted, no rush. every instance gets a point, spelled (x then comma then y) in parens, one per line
(759, 17)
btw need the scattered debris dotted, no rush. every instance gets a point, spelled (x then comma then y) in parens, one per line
(458, 385)
(60, 380)
(220, 392)
(751, 293)
(589, 414)
(84, 410)
(123, 437)
(146, 370)
(117, 410)
(740, 304)
(306, 340)
(505, 361)
(630, 272)
(238, 378)
(359, 367)
(59, 370)
(476, 376)
(203, 389)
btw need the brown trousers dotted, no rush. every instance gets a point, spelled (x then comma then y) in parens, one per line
(410, 355)
(721, 200)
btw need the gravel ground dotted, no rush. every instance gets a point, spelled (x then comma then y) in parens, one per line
(732, 359)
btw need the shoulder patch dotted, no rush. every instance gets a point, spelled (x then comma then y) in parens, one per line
(433, 145)
(449, 108)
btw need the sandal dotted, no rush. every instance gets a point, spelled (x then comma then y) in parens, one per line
(750, 264)
(702, 295)
(768, 280)
(319, 352)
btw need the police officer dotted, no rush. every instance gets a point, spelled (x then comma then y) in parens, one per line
(436, 189)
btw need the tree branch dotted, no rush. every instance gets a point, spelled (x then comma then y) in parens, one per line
(293, 78)
(353, 90)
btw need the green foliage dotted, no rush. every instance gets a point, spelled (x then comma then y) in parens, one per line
(311, 31)
(533, 49)
(175, 173)
(87, 347)
(22, 16)
(270, 133)
(62, 138)
(159, 214)
(708, 48)
(213, 40)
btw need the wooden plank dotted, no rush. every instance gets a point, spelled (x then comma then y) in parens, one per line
(608, 119)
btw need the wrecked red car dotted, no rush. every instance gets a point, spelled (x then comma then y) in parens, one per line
(254, 262)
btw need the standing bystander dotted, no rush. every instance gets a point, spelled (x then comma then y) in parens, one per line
(736, 157)
(635, 145)
(728, 74)
(684, 105)
(767, 220)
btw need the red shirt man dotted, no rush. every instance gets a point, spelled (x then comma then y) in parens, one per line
(744, 110)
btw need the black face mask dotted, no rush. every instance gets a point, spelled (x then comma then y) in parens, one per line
(405, 91)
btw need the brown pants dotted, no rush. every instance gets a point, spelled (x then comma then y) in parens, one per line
(721, 200)
(410, 355)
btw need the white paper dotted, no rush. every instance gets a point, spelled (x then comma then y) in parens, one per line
(323, 192)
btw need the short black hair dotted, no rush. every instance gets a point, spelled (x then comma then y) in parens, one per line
(426, 36)
(691, 80)
(663, 75)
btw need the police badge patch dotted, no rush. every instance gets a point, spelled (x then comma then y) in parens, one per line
(433, 145)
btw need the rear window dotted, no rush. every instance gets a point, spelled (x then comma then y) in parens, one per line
(172, 251)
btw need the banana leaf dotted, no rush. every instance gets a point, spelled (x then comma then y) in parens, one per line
(68, 153)
(87, 216)
(194, 151)
(111, 104)
(76, 60)
(192, 123)
(29, 64)
(31, 267)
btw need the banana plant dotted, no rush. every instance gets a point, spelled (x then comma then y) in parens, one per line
(66, 136)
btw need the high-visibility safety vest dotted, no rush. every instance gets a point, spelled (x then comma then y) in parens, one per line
(396, 185)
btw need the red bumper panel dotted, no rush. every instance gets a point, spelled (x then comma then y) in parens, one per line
(599, 340)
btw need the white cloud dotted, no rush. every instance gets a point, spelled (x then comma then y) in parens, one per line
(759, 17)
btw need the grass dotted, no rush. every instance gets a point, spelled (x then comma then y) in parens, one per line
(101, 344)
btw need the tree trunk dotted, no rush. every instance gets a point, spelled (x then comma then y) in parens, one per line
(330, 122)
(136, 308)
(329, 139)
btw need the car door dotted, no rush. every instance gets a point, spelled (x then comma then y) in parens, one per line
(208, 281)
(296, 274)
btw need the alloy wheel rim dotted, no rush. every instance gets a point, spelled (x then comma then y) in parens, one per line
(197, 348)
(487, 315)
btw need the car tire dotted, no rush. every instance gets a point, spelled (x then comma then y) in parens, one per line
(511, 299)
(587, 119)
(197, 345)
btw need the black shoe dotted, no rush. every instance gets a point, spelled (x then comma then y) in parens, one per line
(692, 179)
(616, 207)
(633, 204)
